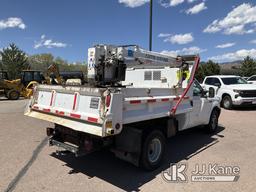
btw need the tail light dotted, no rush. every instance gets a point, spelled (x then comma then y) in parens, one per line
(108, 100)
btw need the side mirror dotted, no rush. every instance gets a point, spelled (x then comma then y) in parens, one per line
(204, 93)
(217, 84)
(211, 92)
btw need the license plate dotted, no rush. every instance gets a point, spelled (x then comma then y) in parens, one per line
(254, 102)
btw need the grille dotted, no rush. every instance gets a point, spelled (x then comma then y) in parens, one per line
(248, 93)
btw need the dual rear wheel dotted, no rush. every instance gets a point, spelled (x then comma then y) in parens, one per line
(152, 150)
(154, 142)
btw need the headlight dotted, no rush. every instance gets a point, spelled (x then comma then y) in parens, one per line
(237, 91)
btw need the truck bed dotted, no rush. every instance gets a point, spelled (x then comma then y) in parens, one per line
(103, 111)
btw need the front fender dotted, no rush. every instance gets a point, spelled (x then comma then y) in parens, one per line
(31, 84)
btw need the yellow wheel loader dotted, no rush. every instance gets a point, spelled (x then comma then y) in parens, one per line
(13, 89)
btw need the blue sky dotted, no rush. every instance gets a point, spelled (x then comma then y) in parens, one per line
(217, 29)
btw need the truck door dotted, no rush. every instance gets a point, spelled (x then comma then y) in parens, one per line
(201, 107)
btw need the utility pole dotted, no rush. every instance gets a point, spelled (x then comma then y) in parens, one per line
(150, 25)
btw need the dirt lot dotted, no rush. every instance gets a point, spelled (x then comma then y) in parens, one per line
(28, 164)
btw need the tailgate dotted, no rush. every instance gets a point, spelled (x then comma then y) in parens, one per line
(76, 107)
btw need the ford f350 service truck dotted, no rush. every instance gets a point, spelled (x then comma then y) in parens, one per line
(135, 99)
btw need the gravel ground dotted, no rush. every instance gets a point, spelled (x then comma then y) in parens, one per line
(28, 164)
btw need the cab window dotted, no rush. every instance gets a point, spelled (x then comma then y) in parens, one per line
(253, 78)
(209, 81)
(197, 89)
(212, 81)
(37, 76)
(28, 77)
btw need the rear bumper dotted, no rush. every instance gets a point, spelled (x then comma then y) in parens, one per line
(90, 128)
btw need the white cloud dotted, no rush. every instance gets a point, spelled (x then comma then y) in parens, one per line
(253, 41)
(197, 8)
(180, 39)
(226, 45)
(184, 51)
(12, 22)
(191, 1)
(175, 2)
(133, 3)
(236, 21)
(48, 43)
(164, 35)
(170, 3)
(233, 56)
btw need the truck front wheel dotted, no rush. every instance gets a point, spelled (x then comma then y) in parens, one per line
(227, 102)
(152, 150)
(213, 123)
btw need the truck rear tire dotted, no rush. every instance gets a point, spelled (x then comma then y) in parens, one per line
(153, 147)
(213, 123)
(226, 102)
(13, 95)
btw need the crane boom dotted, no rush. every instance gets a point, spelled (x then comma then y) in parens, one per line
(107, 63)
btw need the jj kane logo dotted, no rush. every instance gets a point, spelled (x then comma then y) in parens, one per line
(202, 173)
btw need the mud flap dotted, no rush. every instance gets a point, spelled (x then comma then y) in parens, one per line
(128, 145)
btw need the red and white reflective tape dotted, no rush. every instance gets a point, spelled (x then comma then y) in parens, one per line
(177, 98)
(156, 100)
(67, 114)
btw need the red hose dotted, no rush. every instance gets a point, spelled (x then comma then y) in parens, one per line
(174, 109)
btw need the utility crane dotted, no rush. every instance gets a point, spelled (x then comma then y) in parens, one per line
(107, 64)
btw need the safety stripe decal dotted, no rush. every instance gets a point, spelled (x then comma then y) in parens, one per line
(135, 102)
(91, 119)
(77, 116)
(60, 112)
(71, 115)
(156, 100)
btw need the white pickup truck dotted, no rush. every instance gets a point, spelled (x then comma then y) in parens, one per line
(132, 121)
(232, 90)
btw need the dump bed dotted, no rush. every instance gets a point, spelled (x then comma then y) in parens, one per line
(103, 111)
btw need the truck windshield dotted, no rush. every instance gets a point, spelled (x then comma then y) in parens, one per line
(233, 80)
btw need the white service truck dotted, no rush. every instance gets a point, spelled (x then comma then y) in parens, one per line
(232, 90)
(134, 101)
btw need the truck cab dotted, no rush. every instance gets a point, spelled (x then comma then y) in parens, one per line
(204, 103)
(28, 76)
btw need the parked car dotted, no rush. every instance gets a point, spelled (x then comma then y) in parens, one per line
(232, 90)
(252, 79)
